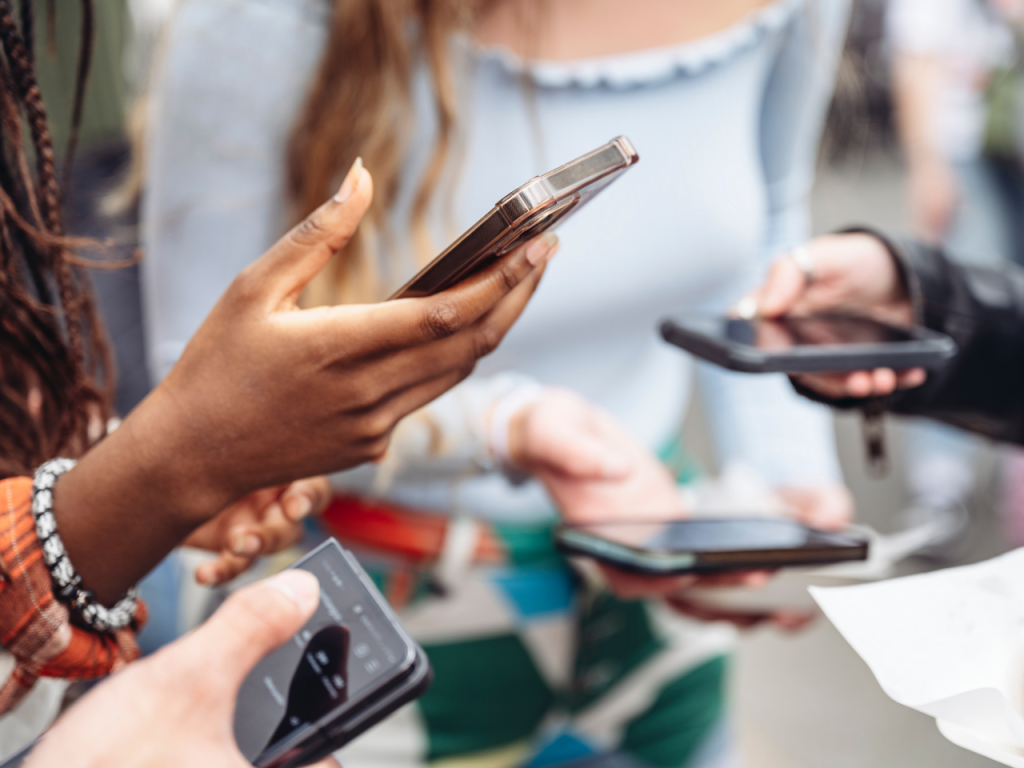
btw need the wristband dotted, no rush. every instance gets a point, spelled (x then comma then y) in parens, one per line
(67, 583)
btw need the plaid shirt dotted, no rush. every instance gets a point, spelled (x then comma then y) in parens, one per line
(34, 626)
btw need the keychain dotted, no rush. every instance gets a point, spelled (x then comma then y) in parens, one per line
(873, 429)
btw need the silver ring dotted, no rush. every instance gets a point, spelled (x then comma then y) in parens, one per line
(802, 258)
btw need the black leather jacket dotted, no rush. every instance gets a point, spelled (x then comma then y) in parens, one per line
(982, 388)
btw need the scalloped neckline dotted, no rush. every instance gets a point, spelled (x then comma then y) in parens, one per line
(649, 65)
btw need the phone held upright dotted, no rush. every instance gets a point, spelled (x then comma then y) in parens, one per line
(540, 205)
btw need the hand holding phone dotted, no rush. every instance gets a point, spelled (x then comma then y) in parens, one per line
(849, 273)
(350, 666)
(708, 546)
(540, 205)
(800, 344)
(174, 708)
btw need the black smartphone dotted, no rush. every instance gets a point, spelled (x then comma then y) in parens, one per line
(708, 545)
(541, 204)
(828, 342)
(348, 668)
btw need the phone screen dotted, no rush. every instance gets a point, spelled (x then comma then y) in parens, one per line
(347, 649)
(697, 535)
(789, 332)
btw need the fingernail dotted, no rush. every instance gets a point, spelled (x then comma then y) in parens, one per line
(542, 248)
(351, 182)
(299, 586)
(246, 544)
(204, 575)
(746, 309)
(298, 507)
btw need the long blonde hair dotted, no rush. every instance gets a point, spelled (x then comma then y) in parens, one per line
(360, 105)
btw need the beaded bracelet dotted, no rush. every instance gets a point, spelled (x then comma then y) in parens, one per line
(67, 584)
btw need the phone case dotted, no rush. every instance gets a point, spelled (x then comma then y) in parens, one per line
(539, 205)
(927, 349)
(337, 729)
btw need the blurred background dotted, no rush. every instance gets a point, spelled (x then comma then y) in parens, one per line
(803, 700)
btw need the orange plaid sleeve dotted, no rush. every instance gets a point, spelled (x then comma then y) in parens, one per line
(34, 626)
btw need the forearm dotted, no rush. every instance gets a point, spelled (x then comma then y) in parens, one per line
(915, 96)
(133, 498)
(982, 389)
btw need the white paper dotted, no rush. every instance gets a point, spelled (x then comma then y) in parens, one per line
(949, 644)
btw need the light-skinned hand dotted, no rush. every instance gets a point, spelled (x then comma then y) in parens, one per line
(853, 273)
(176, 707)
(596, 472)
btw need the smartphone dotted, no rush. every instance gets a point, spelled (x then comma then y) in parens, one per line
(539, 205)
(708, 545)
(827, 342)
(348, 668)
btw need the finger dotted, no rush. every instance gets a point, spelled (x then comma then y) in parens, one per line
(222, 570)
(701, 612)
(283, 271)
(836, 386)
(329, 762)
(306, 497)
(454, 357)
(884, 381)
(782, 290)
(272, 533)
(825, 507)
(860, 384)
(751, 579)
(915, 377)
(631, 586)
(420, 321)
(253, 622)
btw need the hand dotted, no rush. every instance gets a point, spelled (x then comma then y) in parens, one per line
(266, 393)
(264, 522)
(933, 193)
(852, 273)
(595, 471)
(176, 707)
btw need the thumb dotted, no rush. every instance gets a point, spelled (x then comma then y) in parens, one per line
(782, 290)
(284, 270)
(254, 621)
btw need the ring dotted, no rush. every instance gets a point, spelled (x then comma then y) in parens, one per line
(802, 258)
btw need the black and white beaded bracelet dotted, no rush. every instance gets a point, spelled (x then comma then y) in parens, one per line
(67, 584)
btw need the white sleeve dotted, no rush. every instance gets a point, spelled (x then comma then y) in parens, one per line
(796, 100)
(229, 83)
(758, 419)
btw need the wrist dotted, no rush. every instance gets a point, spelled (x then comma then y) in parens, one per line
(133, 498)
(885, 252)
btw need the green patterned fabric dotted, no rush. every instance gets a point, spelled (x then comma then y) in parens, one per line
(686, 710)
(533, 667)
(486, 693)
(613, 638)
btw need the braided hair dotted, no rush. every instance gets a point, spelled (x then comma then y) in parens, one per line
(55, 370)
